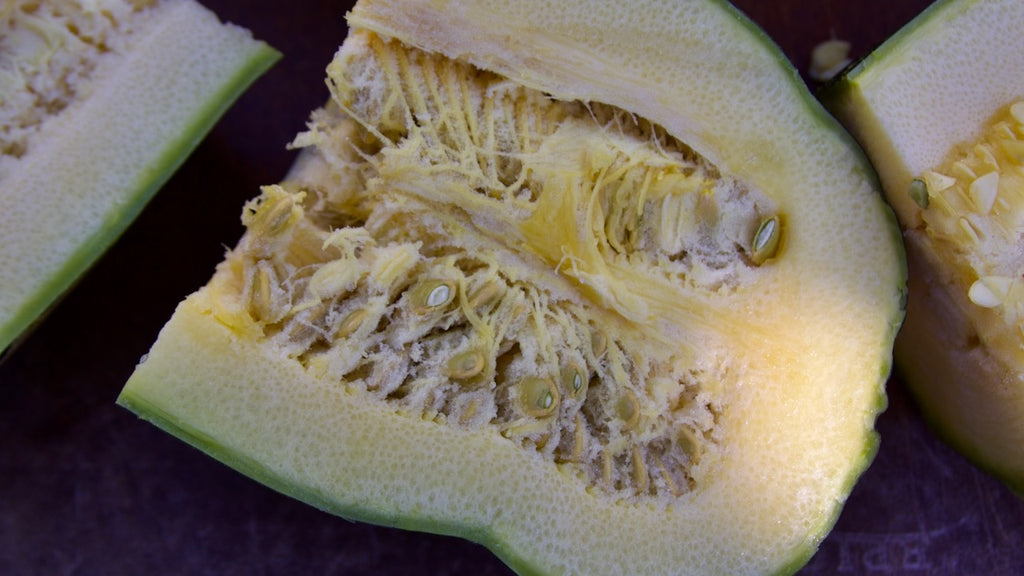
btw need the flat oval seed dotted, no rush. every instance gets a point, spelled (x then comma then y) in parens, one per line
(1017, 111)
(465, 365)
(936, 182)
(628, 410)
(273, 219)
(538, 397)
(641, 477)
(579, 439)
(439, 296)
(687, 440)
(968, 228)
(984, 190)
(484, 295)
(766, 240)
(1014, 149)
(433, 294)
(351, 323)
(598, 344)
(828, 58)
(989, 291)
(575, 382)
(261, 305)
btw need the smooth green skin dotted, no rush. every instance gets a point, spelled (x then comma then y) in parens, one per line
(150, 178)
(493, 540)
(842, 95)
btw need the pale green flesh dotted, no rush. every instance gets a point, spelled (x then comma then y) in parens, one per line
(84, 185)
(930, 89)
(224, 448)
(220, 412)
(766, 505)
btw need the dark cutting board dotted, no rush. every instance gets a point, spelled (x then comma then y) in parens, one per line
(87, 488)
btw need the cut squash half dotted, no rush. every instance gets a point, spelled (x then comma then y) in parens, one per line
(597, 285)
(939, 109)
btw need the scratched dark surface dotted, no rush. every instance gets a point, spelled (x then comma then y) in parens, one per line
(86, 488)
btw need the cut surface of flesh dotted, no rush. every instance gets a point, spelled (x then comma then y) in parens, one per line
(570, 320)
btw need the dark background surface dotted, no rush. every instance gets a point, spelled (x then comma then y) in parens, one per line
(86, 488)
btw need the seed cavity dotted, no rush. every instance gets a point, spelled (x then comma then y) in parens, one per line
(419, 274)
(974, 221)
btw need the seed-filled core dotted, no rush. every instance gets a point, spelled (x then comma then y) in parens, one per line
(481, 255)
(971, 212)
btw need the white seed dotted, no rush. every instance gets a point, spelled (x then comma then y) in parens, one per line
(968, 228)
(829, 58)
(432, 295)
(990, 291)
(983, 191)
(937, 182)
(1014, 149)
(336, 277)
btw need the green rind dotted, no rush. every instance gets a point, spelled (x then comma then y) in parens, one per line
(891, 45)
(1006, 476)
(151, 177)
